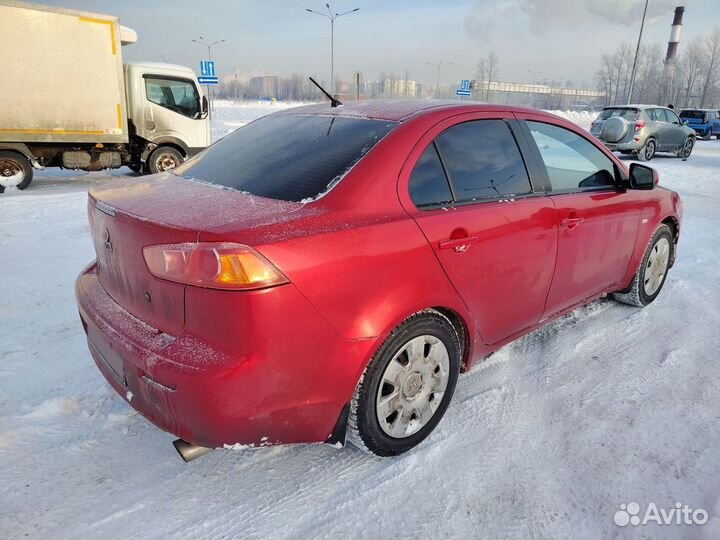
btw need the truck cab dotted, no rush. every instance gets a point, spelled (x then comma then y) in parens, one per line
(167, 111)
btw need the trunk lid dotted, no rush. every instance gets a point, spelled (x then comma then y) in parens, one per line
(127, 215)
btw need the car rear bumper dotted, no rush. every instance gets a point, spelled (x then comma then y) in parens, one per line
(632, 146)
(292, 389)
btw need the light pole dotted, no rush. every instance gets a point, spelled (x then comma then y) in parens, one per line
(203, 41)
(438, 66)
(331, 17)
(637, 52)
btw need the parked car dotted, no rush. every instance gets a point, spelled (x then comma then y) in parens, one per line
(643, 130)
(325, 272)
(705, 122)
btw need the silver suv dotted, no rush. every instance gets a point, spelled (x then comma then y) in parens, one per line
(643, 130)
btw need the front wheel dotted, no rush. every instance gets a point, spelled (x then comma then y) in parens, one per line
(686, 149)
(164, 158)
(407, 386)
(647, 152)
(15, 170)
(650, 277)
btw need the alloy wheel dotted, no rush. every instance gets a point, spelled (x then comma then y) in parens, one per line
(649, 150)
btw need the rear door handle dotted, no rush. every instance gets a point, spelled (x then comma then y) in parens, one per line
(459, 245)
(571, 222)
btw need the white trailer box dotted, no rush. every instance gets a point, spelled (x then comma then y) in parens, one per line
(62, 76)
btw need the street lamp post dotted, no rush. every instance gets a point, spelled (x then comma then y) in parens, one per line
(206, 43)
(438, 66)
(331, 17)
(637, 53)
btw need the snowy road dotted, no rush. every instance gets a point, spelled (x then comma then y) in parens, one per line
(545, 439)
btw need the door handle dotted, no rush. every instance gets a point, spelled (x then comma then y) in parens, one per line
(571, 222)
(459, 245)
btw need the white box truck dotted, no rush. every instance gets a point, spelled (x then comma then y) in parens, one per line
(67, 100)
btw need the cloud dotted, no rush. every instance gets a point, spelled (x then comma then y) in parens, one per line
(541, 16)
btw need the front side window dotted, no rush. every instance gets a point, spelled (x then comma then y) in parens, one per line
(671, 116)
(177, 95)
(428, 183)
(482, 160)
(572, 162)
(286, 156)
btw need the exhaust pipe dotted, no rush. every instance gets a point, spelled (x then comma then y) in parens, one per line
(189, 451)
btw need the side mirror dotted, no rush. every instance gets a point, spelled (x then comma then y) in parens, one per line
(684, 122)
(204, 107)
(643, 177)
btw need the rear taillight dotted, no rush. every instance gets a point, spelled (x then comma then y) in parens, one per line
(212, 265)
(639, 125)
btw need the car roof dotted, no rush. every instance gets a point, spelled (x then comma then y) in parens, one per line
(636, 106)
(397, 110)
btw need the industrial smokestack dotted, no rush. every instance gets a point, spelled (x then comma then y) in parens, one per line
(671, 56)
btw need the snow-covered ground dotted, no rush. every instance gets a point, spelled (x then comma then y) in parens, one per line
(545, 439)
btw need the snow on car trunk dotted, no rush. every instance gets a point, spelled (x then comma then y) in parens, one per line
(128, 215)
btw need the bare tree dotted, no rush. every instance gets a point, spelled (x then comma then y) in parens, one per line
(688, 71)
(711, 64)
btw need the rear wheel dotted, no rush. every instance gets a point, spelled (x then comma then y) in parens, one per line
(647, 152)
(650, 277)
(15, 170)
(164, 158)
(407, 386)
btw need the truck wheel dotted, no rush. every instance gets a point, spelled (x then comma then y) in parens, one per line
(164, 158)
(15, 170)
(407, 386)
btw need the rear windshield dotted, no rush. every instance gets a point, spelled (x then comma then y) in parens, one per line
(285, 156)
(693, 114)
(627, 114)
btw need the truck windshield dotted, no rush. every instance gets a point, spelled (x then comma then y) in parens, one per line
(628, 114)
(287, 156)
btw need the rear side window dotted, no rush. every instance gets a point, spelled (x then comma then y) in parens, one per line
(428, 183)
(628, 114)
(482, 160)
(572, 162)
(286, 156)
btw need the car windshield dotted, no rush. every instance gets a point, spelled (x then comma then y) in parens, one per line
(700, 115)
(627, 114)
(289, 157)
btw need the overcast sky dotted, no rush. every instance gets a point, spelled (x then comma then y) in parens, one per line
(557, 39)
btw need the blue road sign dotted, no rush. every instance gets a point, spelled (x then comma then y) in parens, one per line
(464, 90)
(207, 80)
(207, 68)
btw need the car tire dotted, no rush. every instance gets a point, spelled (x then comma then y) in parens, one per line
(413, 374)
(686, 149)
(650, 277)
(163, 159)
(12, 164)
(647, 152)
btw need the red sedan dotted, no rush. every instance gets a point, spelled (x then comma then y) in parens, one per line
(328, 272)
